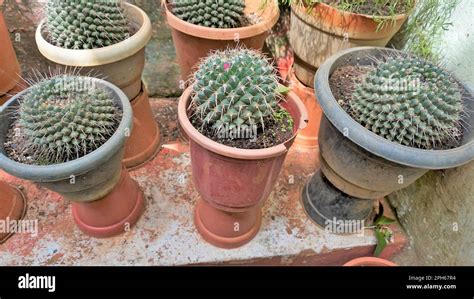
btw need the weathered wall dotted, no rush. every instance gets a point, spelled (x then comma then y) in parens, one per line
(161, 72)
(438, 210)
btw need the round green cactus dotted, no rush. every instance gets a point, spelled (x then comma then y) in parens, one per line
(66, 117)
(235, 88)
(410, 101)
(210, 13)
(80, 24)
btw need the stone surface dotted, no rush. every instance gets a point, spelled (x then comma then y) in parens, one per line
(165, 235)
(161, 73)
(437, 212)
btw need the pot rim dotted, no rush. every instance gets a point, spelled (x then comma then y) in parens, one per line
(224, 34)
(55, 172)
(396, 17)
(369, 261)
(405, 155)
(232, 152)
(99, 56)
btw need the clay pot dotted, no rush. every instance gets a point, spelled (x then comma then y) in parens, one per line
(317, 34)
(369, 262)
(12, 206)
(307, 138)
(193, 42)
(121, 64)
(145, 139)
(9, 67)
(233, 183)
(91, 178)
(112, 214)
(362, 165)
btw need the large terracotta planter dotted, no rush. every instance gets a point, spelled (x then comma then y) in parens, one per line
(308, 137)
(89, 180)
(145, 138)
(9, 67)
(12, 206)
(317, 34)
(193, 42)
(357, 165)
(233, 183)
(369, 262)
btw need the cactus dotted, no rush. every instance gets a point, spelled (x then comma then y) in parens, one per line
(410, 101)
(210, 13)
(235, 88)
(81, 24)
(66, 117)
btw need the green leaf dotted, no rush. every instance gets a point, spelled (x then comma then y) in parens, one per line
(382, 220)
(381, 242)
(283, 89)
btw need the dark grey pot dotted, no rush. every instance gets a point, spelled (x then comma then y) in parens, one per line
(85, 179)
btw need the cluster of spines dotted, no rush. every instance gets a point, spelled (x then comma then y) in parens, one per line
(410, 101)
(210, 13)
(65, 118)
(81, 24)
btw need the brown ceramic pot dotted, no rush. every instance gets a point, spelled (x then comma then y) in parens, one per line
(317, 34)
(9, 67)
(369, 262)
(233, 183)
(145, 138)
(308, 137)
(12, 206)
(112, 214)
(193, 42)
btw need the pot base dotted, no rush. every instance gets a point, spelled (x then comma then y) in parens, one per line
(333, 210)
(227, 230)
(12, 206)
(113, 214)
(145, 139)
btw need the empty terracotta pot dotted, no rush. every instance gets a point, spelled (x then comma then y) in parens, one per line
(145, 139)
(369, 262)
(12, 206)
(322, 31)
(233, 183)
(114, 213)
(308, 137)
(193, 42)
(9, 67)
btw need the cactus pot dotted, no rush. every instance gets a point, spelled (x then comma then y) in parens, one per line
(233, 183)
(307, 138)
(193, 42)
(317, 34)
(88, 179)
(121, 64)
(145, 138)
(363, 165)
(369, 262)
(9, 67)
(12, 206)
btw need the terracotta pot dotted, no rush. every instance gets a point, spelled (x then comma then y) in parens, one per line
(307, 138)
(369, 262)
(12, 206)
(193, 42)
(317, 34)
(112, 214)
(9, 67)
(145, 139)
(232, 180)
(362, 165)
(121, 64)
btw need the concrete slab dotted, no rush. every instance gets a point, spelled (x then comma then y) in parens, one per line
(165, 235)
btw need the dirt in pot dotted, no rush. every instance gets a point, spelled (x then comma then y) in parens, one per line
(372, 7)
(343, 82)
(278, 129)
